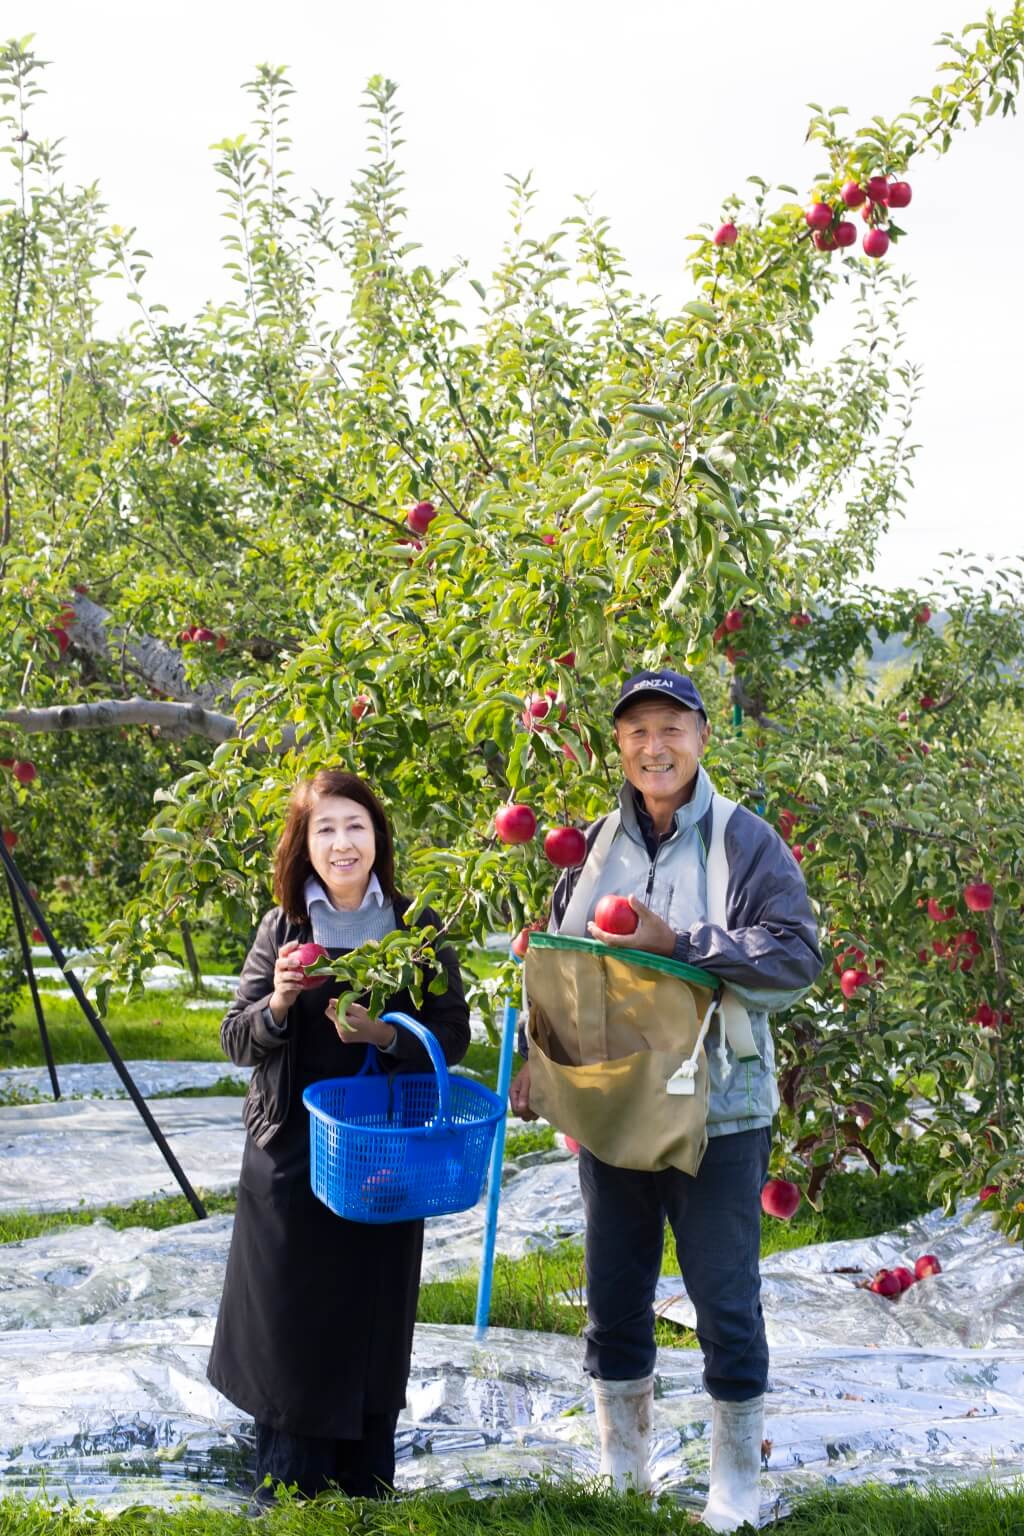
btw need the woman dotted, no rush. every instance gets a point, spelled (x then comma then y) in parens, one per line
(315, 1327)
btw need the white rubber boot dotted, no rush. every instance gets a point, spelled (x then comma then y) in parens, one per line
(625, 1413)
(734, 1495)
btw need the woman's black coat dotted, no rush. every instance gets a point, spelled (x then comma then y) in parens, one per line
(316, 1319)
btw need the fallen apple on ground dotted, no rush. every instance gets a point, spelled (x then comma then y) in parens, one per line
(927, 1265)
(885, 1283)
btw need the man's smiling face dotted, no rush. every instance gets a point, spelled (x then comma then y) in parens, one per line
(661, 746)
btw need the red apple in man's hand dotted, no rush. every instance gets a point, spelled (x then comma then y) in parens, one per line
(905, 1278)
(979, 896)
(819, 216)
(899, 194)
(572, 1145)
(24, 772)
(780, 1197)
(876, 243)
(565, 847)
(927, 1265)
(613, 914)
(309, 954)
(420, 517)
(515, 823)
(725, 234)
(853, 194)
(885, 1283)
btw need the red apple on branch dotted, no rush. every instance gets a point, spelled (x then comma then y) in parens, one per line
(420, 517)
(10, 838)
(515, 823)
(853, 194)
(25, 772)
(850, 982)
(203, 636)
(877, 189)
(979, 896)
(726, 234)
(876, 243)
(565, 847)
(922, 615)
(989, 1192)
(845, 234)
(899, 194)
(360, 704)
(613, 914)
(734, 621)
(819, 216)
(780, 1197)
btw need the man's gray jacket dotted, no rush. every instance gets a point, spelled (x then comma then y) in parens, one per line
(768, 952)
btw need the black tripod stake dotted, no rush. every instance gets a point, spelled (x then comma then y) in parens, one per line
(18, 888)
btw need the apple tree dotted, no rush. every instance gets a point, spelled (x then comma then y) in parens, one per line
(421, 523)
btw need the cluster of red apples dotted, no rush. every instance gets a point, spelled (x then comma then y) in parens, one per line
(832, 231)
(198, 634)
(891, 1283)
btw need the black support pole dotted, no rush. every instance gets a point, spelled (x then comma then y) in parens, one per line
(30, 972)
(32, 906)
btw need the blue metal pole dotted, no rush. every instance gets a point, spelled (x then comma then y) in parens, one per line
(483, 1294)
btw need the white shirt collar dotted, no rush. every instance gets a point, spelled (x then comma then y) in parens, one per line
(313, 891)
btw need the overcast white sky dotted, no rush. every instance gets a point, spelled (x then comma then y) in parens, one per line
(658, 109)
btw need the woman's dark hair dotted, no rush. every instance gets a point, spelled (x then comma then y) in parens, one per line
(292, 867)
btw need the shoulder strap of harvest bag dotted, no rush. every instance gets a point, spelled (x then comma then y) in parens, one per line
(735, 1020)
(575, 920)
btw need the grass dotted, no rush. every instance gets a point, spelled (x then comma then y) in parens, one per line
(552, 1509)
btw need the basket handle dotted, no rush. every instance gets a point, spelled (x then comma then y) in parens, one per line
(433, 1048)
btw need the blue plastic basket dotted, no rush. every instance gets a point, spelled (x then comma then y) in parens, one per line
(400, 1146)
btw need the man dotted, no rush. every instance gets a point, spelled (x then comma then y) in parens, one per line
(768, 955)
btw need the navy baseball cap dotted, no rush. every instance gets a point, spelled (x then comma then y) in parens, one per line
(671, 687)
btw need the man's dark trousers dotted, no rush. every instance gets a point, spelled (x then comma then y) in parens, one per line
(715, 1217)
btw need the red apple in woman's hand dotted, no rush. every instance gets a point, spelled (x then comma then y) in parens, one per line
(309, 954)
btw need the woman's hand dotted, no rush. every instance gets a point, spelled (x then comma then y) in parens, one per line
(651, 932)
(519, 1094)
(359, 1028)
(288, 979)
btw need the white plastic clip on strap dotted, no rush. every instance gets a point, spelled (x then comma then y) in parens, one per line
(684, 1078)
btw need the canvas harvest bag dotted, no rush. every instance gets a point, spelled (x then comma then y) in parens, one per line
(609, 1030)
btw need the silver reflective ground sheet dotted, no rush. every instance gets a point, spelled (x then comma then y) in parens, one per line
(105, 1336)
(98, 1080)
